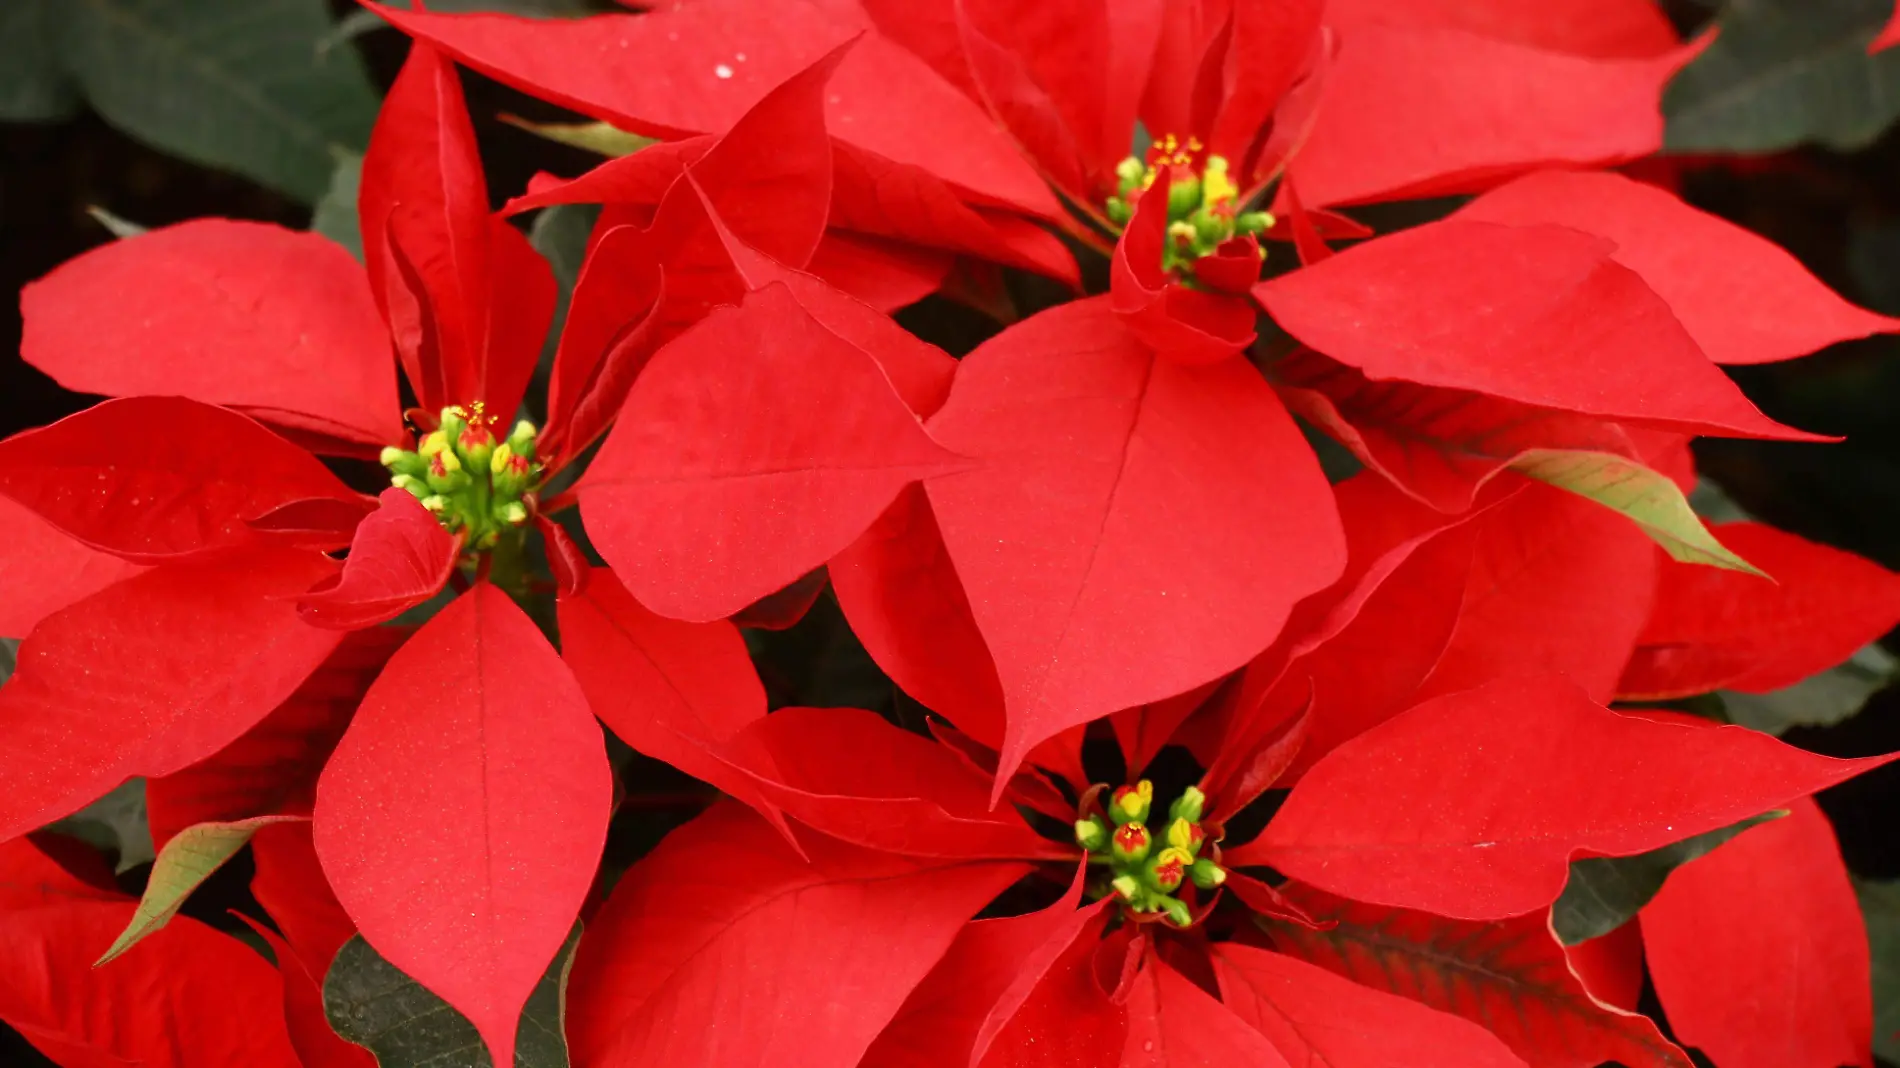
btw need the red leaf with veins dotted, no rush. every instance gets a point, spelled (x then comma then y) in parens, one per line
(1604, 29)
(1558, 585)
(674, 691)
(759, 411)
(1742, 297)
(856, 777)
(990, 975)
(273, 322)
(1562, 776)
(424, 194)
(463, 814)
(1758, 951)
(183, 997)
(272, 768)
(1606, 344)
(152, 675)
(680, 72)
(1510, 977)
(1726, 630)
(401, 557)
(1425, 111)
(724, 948)
(147, 478)
(1317, 1018)
(520, 300)
(1174, 1024)
(1136, 527)
(44, 570)
(1439, 445)
(900, 593)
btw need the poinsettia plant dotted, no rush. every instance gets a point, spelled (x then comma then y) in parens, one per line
(1291, 636)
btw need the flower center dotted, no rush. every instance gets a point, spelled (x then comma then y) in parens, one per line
(1203, 202)
(1147, 875)
(477, 486)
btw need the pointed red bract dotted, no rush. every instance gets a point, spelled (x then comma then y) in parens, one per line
(1889, 36)
(44, 570)
(1561, 775)
(899, 590)
(1712, 629)
(724, 949)
(1314, 1017)
(1606, 29)
(1425, 111)
(1509, 977)
(1558, 585)
(856, 777)
(400, 558)
(672, 690)
(272, 322)
(1457, 304)
(1136, 527)
(272, 768)
(1758, 951)
(759, 412)
(698, 68)
(1741, 297)
(148, 478)
(151, 675)
(424, 211)
(1439, 445)
(992, 973)
(184, 997)
(462, 816)
(1174, 1024)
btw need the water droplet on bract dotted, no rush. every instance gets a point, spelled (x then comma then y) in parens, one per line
(722, 71)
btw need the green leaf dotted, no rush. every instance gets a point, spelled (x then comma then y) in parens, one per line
(373, 1004)
(1654, 502)
(185, 862)
(1880, 909)
(598, 137)
(1819, 700)
(115, 822)
(335, 215)
(119, 226)
(34, 85)
(237, 84)
(1604, 893)
(9, 657)
(1786, 72)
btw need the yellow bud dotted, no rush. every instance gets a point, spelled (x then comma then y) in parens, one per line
(1216, 186)
(434, 443)
(498, 462)
(389, 456)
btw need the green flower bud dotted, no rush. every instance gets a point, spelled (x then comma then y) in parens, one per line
(1118, 211)
(1190, 806)
(1130, 804)
(416, 487)
(1178, 912)
(454, 423)
(1131, 843)
(1253, 222)
(1129, 890)
(1206, 874)
(521, 440)
(1091, 834)
(514, 513)
(1184, 198)
(1130, 172)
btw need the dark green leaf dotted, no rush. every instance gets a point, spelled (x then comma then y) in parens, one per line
(229, 83)
(9, 656)
(190, 858)
(335, 214)
(373, 1004)
(1880, 907)
(1604, 893)
(115, 822)
(1785, 72)
(34, 85)
(1818, 701)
